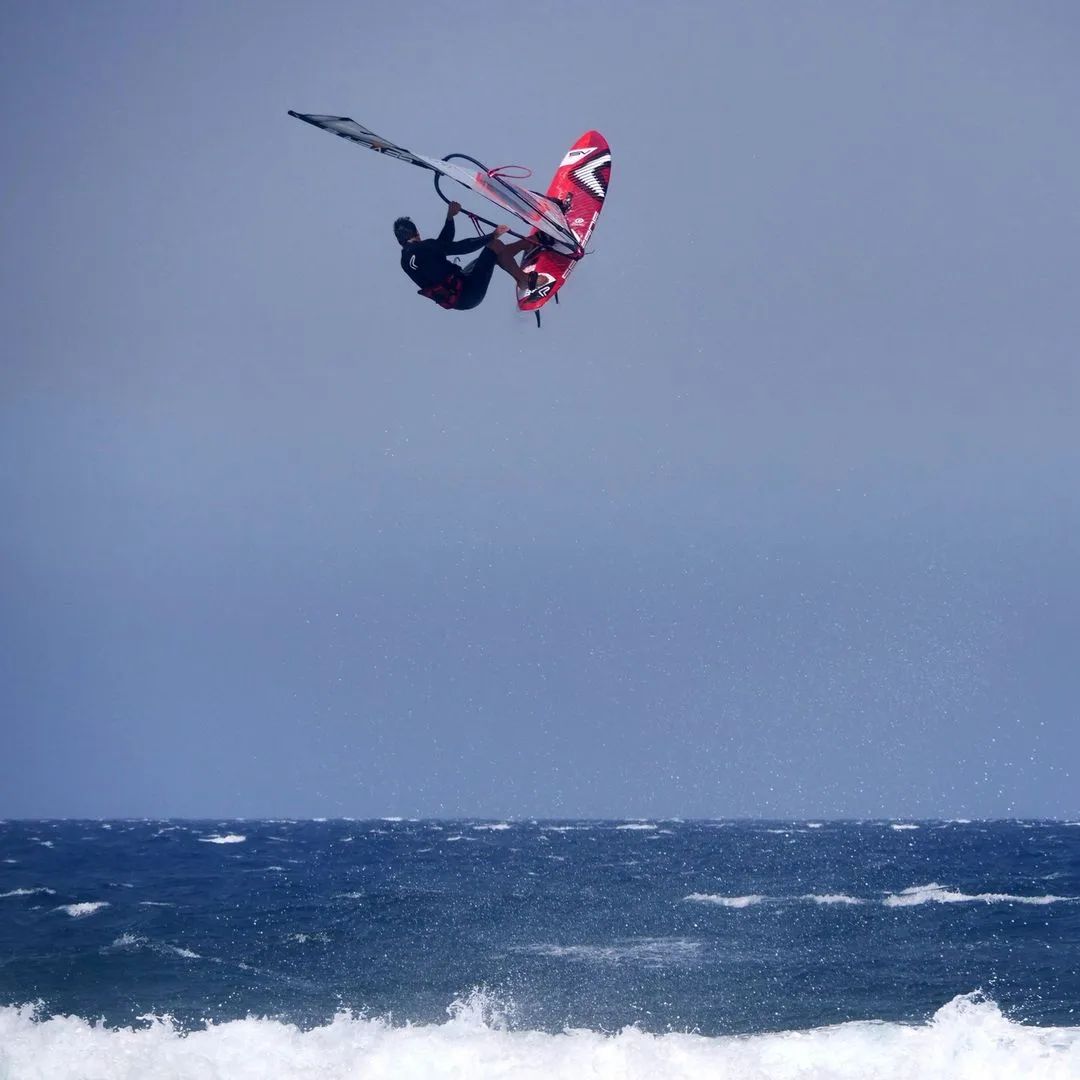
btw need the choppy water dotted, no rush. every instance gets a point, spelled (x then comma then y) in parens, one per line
(397, 948)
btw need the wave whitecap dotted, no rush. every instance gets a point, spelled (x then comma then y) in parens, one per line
(913, 897)
(726, 901)
(81, 911)
(969, 1036)
(128, 942)
(938, 894)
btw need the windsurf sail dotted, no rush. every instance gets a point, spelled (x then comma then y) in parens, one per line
(538, 211)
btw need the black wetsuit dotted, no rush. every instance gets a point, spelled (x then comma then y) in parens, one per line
(458, 287)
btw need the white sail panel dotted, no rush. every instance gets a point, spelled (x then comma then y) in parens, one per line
(537, 210)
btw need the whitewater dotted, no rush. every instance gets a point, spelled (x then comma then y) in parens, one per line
(967, 1038)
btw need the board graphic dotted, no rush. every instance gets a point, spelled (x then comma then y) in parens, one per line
(579, 187)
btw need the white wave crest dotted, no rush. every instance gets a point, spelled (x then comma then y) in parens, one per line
(501, 826)
(80, 911)
(903, 827)
(128, 941)
(228, 838)
(968, 1037)
(637, 826)
(938, 894)
(832, 898)
(40, 890)
(726, 901)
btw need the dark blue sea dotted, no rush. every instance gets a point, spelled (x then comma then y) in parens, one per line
(390, 948)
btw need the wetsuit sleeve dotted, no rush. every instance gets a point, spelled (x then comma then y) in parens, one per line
(447, 233)
(465, 247)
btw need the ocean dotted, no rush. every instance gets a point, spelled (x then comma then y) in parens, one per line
(547, 949)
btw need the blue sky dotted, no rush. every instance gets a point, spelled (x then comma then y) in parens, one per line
(775, 516)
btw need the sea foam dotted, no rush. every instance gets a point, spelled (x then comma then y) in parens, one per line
(968, 1037)
(913, 897)
(81, 911)
(726, 901)
(938, 894)
(647, 952)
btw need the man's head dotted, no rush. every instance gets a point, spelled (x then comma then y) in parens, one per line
(405, 230)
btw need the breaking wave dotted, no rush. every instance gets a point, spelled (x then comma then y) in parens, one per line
(917, 894)
(726, 901)
(81, 911)
(938, 894)
(969, 1036)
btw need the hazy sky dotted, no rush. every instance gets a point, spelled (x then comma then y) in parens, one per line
(777, 515)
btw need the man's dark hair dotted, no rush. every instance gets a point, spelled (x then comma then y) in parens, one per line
(404, 230)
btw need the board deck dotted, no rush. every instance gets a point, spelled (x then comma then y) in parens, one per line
(582, 176)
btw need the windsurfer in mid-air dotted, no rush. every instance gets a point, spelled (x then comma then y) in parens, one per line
(449, 285)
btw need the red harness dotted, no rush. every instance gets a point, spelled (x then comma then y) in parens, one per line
(447, 292)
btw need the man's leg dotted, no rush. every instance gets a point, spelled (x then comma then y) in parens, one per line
(518, 246)
(505, 254)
